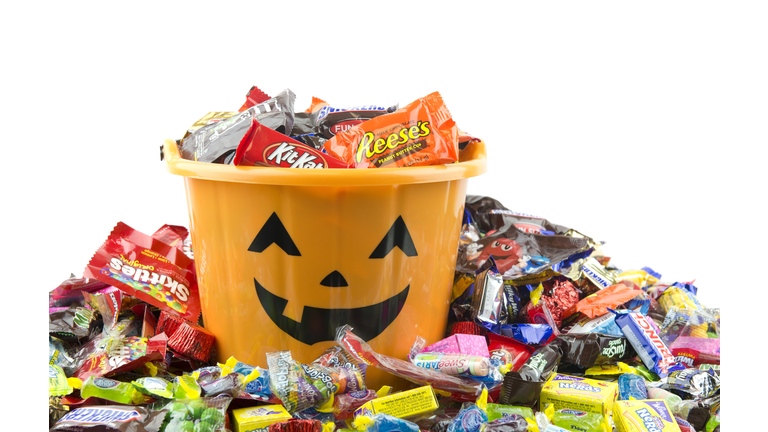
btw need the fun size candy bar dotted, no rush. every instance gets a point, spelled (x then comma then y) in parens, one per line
(649, 346)
(421, 133)
(266, 147)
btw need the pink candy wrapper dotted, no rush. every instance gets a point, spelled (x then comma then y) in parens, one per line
(461, 344)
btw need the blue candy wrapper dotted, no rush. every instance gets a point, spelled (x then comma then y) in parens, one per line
(469, 420)
(531, 334)
(646, 341)
(632, 387)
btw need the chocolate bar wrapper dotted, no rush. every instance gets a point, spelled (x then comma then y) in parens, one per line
(108, 418)
(217, 142)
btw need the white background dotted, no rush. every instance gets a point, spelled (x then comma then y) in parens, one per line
(643, 125)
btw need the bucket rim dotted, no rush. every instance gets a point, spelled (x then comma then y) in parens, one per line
(473, 163)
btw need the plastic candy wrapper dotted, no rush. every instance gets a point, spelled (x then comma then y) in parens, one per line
(60, 355)
(694, 382)
(336, 380)
(112, 418)
(632, 387)
(643, 278)
(57, 382)
(70, 325)
(111, 390)
(679, 296)
(266, 147)
(330, 121)
(518, 254)
(421, 133)
(217, 142)
(647, 343)
(531, 334)
(459, 388)
(254, 96)
(470, 418)
(112, 355)
(70, 291)
(155, 387)
(289, 383)
(125, 259)
(488, 304)
(381, 422)
(230, 385)
(612, 371)
(599, 303)
(509, 351)
(605, 324)
(694, 351)
(255, 381)
(186, 387)
(511, 423)
(345, 405)
(202, 414)
(453, 364)
(697, 323)
(523, 387)
(576, 420)
(588, 349)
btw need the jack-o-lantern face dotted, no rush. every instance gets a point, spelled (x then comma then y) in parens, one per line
(320, 324)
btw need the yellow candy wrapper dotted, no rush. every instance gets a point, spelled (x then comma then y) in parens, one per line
(649, 415)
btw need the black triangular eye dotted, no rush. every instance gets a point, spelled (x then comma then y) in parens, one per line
(398, 236)
(273, 231)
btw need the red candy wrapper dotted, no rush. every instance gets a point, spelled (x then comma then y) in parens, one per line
(266, 147)
(168, 323)
(509, 350)
(468, 327)
(296, 425)
(147, 269)
(192, 341)
(254, 97)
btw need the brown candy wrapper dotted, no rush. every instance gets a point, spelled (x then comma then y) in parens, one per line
(111, 418)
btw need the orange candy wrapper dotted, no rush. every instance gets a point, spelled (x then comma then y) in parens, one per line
(421, 133)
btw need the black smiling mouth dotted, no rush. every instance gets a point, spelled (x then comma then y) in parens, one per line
(319, 325)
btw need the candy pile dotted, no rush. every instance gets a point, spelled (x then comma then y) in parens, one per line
(267, 132)
(543, 333)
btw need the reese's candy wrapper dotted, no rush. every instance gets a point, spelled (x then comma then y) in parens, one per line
(147, 269)
(264, 146)
(421, 133)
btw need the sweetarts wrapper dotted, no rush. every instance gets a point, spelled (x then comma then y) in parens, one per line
(646, 341)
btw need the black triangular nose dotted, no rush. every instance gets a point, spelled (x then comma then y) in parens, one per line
(335, 279)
